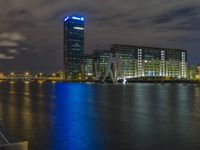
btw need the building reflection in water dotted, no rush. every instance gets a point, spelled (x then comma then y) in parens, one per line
(77, 116)
(75, 123)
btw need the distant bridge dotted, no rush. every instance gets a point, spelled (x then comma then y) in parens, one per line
(29, 78)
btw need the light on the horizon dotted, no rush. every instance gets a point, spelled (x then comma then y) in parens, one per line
(27, 73)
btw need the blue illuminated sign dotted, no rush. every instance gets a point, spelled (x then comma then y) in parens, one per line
(82, 19)
(78, 18)
(75, 18)
(66, 18)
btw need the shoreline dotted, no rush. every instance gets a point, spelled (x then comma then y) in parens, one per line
(106, 81)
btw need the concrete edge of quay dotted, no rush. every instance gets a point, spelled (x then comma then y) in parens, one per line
(175, 81)
(7, 144)
(15, 146)
(135, 81)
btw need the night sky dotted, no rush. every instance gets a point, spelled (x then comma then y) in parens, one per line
(31, 31)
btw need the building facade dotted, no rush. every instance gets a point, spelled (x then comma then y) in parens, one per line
(73, 46)
(126, 61)
(87, 66)
(198, 71)
(191, 72)
(151, 62)
(101, 62)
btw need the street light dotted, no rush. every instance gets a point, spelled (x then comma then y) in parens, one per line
(12, 74)
(26, 73)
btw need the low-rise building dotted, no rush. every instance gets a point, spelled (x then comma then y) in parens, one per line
(198, 71)
(101, 60)
(191, 72)
(87, 66)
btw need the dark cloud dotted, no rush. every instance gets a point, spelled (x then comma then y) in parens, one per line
(192, 24)
(19, 13)
(172, 23)
(181, 13)
(186, 18)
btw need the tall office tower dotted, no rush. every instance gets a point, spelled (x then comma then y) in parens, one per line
(73, 46)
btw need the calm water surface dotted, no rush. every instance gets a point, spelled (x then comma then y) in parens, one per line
(75, 116)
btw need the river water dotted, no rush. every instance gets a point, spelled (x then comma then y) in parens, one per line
(80, 116)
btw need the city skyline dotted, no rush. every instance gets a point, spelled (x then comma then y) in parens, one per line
(30, 32)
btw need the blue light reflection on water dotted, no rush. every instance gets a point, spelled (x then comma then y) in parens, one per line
(66, 116)
(74, 119)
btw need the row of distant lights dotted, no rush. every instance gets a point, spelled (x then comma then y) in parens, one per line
(75, 18)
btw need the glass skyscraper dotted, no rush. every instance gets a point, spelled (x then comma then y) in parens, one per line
(73, 46)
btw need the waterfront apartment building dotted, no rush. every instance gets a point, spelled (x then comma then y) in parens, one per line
(139, 61)
(127, 61)
(124, 61)
(73, 46)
